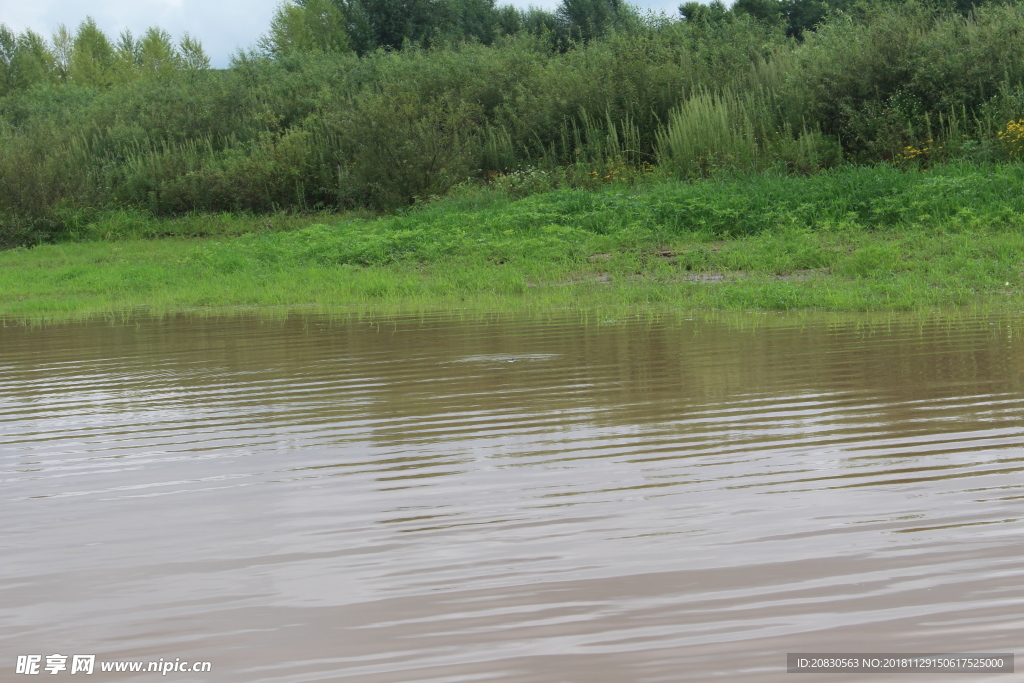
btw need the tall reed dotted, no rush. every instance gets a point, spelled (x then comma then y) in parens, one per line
(709, 131)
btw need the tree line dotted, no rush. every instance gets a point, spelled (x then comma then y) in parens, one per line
(380, 103)
(87, 56)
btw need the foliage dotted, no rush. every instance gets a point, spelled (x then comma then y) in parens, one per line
(710, 132)
(315, 25)
(381, 104)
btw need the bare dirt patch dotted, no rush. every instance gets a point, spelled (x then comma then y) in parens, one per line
(706, 277)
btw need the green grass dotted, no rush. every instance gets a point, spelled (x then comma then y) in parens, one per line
(853, 239)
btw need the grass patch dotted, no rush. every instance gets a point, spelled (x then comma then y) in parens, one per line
(852, 239)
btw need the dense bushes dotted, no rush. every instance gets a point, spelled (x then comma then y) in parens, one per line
(906, 76)
(315, 125)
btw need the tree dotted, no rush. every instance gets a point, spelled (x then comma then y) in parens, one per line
(193, 56)
(537, 21)
(63, 49)
(33, 63)
(8, 44)
(475, 20)
(24, 60)
(156, 54)
(91, 61)
(805, 15)
(307, 26)
(714, 13)
(392, 22)
(587, 19)
(768, 11)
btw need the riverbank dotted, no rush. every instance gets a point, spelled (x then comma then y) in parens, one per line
(852, 239)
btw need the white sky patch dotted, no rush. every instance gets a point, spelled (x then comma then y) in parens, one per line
(223, 26)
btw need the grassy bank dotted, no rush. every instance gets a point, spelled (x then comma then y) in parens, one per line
(855, 238)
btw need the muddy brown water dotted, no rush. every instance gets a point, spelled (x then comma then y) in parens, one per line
(566, 498)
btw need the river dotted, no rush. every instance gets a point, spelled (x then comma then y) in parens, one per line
(562, 497)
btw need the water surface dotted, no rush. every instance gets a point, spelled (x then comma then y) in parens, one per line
(518, 499)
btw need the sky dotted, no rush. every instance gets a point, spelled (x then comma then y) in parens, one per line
(223, 26)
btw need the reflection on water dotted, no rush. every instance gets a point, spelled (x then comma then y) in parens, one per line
(435, 499)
